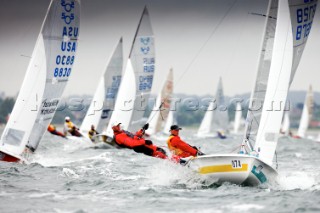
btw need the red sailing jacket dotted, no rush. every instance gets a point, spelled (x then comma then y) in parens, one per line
(180, 148)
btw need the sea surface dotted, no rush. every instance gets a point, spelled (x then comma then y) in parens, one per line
(74, 176)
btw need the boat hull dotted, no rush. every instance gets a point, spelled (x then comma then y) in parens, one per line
(8, 158)
(234, 168)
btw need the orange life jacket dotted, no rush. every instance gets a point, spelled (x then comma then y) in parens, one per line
(174, 150)
(51, 128)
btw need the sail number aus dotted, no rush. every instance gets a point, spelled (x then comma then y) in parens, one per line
(236, 164)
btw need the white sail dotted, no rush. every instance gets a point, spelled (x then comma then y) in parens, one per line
(45, 79)
(205, 126)
(159, 115)
(237, 118)
(103, 102)
(216, 117)
(220, 119)
(154, 117)
(306, 113)
(170, 121)
(302, 13)
(285, 127)
(124, 104)
(272, 82)
(143, 62)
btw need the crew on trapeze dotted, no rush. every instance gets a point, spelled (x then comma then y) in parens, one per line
(136, 141)
(69, 127)
(178, 146)
(92, 132)
(52, 129)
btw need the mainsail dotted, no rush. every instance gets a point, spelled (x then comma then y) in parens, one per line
(46, 77)
(272, 82)
(142, 57)
(103, 102)
(159, 115)
(306, 113)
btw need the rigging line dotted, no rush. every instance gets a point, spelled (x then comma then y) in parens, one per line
(199, 51)
(204, 44)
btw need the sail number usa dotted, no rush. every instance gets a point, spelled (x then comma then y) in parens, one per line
(304, 20)
(65, 60)
(236, 164)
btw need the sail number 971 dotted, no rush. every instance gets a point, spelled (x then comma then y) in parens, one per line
(236, 164)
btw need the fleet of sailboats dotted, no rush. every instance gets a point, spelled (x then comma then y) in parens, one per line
(123, 96)
(137, 80)
(46, 77)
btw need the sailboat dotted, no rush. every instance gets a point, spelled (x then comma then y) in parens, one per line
(159, 115)
(103, 102)
(46, 77)
(306, 114)
(137, 80)
(253, 165)
(216, 119)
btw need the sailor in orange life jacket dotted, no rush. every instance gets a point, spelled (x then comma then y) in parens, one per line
(178, 146)
(52, 129)
(136, 141)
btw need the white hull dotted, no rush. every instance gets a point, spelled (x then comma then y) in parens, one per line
(234, 168)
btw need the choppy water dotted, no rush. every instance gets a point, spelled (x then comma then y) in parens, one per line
(73, 177)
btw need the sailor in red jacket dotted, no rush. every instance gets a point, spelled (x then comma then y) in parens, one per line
(136, 141)
(178, 146)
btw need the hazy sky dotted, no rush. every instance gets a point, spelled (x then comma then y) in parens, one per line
(201, 40)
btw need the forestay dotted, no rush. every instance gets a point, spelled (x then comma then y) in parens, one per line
(142, 57)
(46, 77)
(103, 102)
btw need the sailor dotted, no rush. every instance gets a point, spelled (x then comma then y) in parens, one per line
(136, 141)
(178, 146)
(92, 132)
(52, 129)
(71, 128)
